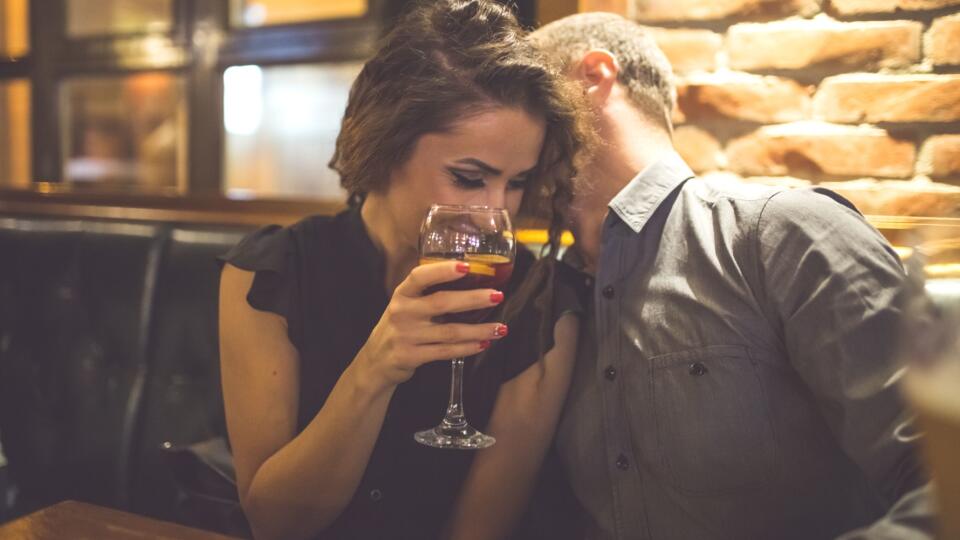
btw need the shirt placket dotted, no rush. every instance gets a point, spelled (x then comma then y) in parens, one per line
(619, 455)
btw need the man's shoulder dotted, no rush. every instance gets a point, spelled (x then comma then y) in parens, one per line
(752, 201)
(809, 206)
(732, 187)
(727, 199)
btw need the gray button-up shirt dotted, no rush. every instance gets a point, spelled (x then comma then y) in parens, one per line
(735, 374)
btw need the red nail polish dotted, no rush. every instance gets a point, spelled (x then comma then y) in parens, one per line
(463, 267)
(496, 297)
(501, 330)
(484, 345)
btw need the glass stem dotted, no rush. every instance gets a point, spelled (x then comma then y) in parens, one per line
(455, 419)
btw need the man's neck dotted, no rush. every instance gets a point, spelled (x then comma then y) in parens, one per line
(630, 146)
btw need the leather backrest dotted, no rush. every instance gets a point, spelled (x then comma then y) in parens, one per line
(75, 304)
(182, 400)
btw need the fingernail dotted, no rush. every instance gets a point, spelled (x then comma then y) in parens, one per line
(496, 297)
(484, 345)
(463, 267)
(501, 330)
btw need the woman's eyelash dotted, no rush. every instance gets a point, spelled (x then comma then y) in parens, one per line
(466, 181)
(476, 183)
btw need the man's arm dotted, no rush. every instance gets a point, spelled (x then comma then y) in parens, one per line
(912, 518)
(831, 284)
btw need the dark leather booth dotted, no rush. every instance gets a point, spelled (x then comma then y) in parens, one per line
(108, 359)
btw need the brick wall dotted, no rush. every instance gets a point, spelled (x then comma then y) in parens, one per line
(862, 96)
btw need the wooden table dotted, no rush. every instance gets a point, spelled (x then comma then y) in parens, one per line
(81, 521)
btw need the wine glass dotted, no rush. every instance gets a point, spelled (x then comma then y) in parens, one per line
(483, 237)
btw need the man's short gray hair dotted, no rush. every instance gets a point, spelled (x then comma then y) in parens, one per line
(644, 69)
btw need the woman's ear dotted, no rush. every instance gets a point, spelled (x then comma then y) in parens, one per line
(598, 71)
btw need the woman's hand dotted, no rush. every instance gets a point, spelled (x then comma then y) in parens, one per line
(409, 333)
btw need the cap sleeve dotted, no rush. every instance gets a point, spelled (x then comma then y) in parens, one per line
(569, 296)
(268, 252)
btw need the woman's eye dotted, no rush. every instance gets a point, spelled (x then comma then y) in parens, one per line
(466, 181)
(519, 183)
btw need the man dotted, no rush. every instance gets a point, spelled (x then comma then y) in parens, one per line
(736, 378)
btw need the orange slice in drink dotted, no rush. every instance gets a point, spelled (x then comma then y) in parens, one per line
(483, 264)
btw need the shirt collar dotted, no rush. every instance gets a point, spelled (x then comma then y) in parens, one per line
(637, 201)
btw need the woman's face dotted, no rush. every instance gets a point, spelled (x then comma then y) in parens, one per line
(485, 159)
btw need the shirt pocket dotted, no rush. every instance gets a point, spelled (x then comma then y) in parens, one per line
(714, 429)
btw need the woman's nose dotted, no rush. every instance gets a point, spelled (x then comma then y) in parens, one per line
(496, 198)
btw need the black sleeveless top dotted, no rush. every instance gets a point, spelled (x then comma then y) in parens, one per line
(325, 276)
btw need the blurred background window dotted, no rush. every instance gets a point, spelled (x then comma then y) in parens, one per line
(125, 131)
(13, 28)
(14, 133)
(280, 125)
(271, 12)
(86, 18)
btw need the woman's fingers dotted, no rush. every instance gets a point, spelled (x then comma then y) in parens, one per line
(443, 302)
(427, 275)
(410, 324)
(460, 333)
(438, 303)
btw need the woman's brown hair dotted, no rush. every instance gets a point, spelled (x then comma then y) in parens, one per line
(443, 61)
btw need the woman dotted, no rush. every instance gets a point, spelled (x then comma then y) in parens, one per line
(329, 347)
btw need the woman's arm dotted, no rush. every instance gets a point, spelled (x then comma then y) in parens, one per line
(524, 419)
(289, 486)
(294, 485)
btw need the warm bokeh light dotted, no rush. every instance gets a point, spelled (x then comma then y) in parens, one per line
(14, 41)
(271, 12)
(242, 99)
(87, 18)
(539, 236)
(15, 133)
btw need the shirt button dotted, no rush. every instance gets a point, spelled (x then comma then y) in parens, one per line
(608, 292)
(622, 462)
(697, 369)
(588, 281)
(610, 373)
(375, 495)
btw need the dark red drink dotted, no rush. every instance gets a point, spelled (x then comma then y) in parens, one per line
(486, 272)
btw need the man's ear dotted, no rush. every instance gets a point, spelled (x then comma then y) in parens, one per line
(597, 71)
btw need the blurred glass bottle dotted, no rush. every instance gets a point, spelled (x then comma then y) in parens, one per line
(930, 347)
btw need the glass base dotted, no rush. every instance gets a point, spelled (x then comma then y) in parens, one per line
(465, 438)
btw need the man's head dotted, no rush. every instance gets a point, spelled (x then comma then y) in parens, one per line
(627, 82)
(582, 40)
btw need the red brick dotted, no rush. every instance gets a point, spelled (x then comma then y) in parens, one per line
(703, 10)
(778, 181)
(677, 117)
(742, 97)
(689, 50)
(815, 150)
(804, 44)
(889, 98)
(699, 149)
(899, 197)
(722, 177)
(613, 6)
(857, 7)
(940, 157)
(943, 41)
